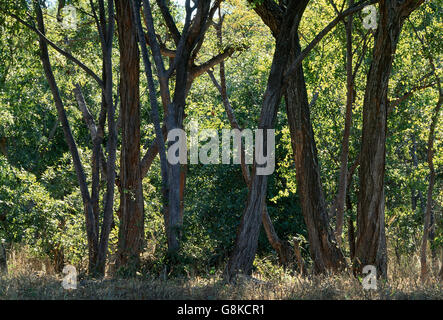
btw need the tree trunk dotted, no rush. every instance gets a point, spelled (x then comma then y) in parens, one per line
(351, 229)
(3, 261)
(340, 202)
(109, 111)
(428, 223)
(371, 238)
(81, 177)
(322, 245)
(131, 231)
(243, 255)
(281, 247)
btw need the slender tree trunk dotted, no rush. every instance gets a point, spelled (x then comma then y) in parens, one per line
(131, 231)
(108, 211)
(351, 229)
(187, 45)
(427, 225)
(340, 202)
(87, 203)
(371, 238)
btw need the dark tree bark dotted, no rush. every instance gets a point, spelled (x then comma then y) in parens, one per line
(351, 229)
(281, 247)
(131, 233)
(243, 255)
(322, 245)
(323, 248)
(108, 109)
(371, 238)
(188, 43)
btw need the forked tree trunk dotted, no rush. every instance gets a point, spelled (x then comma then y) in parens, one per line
(242, 257)
(131, 230)
(371, 238)
(324, 251)
(282, 248)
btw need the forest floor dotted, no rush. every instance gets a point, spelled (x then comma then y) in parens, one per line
(401, 285)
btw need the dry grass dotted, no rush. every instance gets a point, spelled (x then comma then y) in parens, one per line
(334, 287)
(404, 283)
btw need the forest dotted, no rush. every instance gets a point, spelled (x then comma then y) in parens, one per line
(221, 149)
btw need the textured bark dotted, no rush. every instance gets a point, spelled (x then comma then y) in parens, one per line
(371, 238)
(281, 247)
(97, 242)
(323, 249)
(187, 46)
(351, 229)
(131, 199)
(109, 106)
(242, 257)
(322, 245)
(96, 149)
(351, 235)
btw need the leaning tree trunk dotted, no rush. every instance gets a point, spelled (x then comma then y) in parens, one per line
(243, 255)
(371, 238)
(131, 230)
(282, 248)
(91, 234)
(322, 245)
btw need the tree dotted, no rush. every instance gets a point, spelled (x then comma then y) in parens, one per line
(281, 247)
(188, 44)
(428, 219)
(324, 251)
(243, 254)
(97, 241)
(131, 232)
(371, 238)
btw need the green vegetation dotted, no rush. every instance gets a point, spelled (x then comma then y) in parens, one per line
(44, 211)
